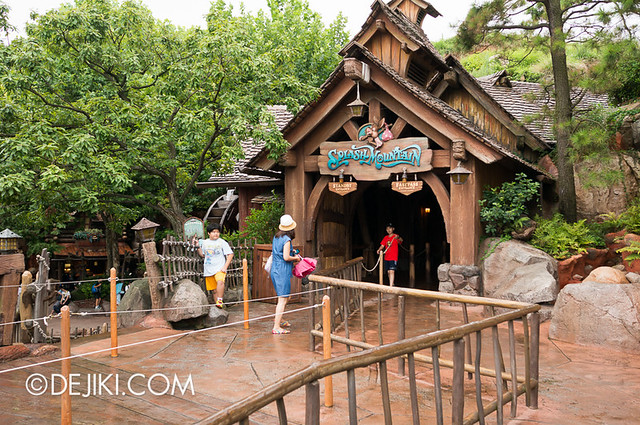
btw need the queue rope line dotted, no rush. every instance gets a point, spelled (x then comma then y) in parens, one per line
(90, 313)
(179, 335)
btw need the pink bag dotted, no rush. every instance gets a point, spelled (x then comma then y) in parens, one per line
(386, 134)
(305, 267)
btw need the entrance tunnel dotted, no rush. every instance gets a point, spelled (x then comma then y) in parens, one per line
(417, 219)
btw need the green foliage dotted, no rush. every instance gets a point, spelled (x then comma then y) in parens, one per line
(105, 109)
(633, 249)
(560, 239)
(504, 208)
(630, 219)
(262, 223)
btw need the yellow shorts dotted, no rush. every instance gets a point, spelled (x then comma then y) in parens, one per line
(212, 281)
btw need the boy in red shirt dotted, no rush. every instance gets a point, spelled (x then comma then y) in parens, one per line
(390, 246)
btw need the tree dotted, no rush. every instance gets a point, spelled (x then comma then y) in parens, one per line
(559, 22)
(105, 108)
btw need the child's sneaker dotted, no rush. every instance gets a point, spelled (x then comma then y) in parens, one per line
(219, 303)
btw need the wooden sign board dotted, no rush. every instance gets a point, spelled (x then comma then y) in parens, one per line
(343, 188)
(408, 187)
(366, 163)
(193, 226)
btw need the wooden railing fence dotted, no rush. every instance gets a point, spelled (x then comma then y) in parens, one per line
(508, 383)
(180, 260)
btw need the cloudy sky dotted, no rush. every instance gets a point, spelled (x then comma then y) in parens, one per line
(191, 12)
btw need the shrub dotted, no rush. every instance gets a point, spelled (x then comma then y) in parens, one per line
(504, 209)
(560, 239)
(261, 224)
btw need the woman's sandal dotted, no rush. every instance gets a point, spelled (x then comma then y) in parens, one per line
(285, 324)
(280, 331)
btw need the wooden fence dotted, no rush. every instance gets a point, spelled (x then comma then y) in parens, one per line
(508, 383)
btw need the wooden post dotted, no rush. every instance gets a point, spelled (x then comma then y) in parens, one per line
(65, 345)
(153, 274)
(26, 308)
(114, 309)
(457, 397)
(245, 292)
(401, 331)
(312, 407)
(534, 357)
(412, 266)
(326, 348)
(381, 271)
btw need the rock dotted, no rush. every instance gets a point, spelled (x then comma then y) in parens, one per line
(459, 279)
(443, 272)
(137, 297)
(530, 284)
(187, 301)
(606, 275)
(577, 277)
(41, 350)
(12, 352)
(445, 286)
(526, 232)
(73, 307)
(216, 317)
(618, 267)
(150, 321)
(598, 314)
(588, 269)
(570, 267)
(633, 277)
(517, 271)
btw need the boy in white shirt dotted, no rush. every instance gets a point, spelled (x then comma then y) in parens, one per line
(217, 256)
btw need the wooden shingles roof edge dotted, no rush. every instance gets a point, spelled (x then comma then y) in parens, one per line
(448, 112)
(454, 63)
(242, 174)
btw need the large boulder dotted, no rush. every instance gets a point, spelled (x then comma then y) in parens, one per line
(187, 301)
(607, 275)
(216, 317)
(516, 271)
(594, 313)
(137, 297)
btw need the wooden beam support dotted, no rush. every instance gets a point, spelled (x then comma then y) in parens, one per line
(288, 159)
(374, 110)
(397, 127)
(442, 196)
(351, 129)
(440, 158)
(313, 205)
(440, 89)
(311, 164)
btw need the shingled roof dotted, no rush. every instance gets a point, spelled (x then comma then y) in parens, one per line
(239, 176)
(527, 102)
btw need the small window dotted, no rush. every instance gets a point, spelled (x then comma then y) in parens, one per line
(417, 74)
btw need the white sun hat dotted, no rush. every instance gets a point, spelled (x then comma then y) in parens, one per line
(286, 223)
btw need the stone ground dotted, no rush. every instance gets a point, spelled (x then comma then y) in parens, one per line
(578, 385)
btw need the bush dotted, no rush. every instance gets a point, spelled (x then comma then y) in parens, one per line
(504, 209)
(261, 224)
(560, 239)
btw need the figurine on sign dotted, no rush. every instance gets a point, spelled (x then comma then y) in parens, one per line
(375, 133)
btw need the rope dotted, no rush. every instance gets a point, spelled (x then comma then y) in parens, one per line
(179, 335)
(374, 267)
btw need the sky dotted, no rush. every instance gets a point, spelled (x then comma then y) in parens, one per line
(191, 12)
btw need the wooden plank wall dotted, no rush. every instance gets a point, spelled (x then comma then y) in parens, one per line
(471, 109)
(334, 238)
(386, 48)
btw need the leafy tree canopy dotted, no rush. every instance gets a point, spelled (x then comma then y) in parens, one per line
(105, 109)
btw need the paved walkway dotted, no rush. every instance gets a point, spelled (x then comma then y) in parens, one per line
(578, 385)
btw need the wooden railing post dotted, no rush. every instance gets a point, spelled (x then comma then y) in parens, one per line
(65, 346)
(114, 309)
(245, 291)
(312, 406)
(534, 358)
(153, 274)
(326, 348)
(401, 331)
(381, 270)
(412, 266)
(457, 397)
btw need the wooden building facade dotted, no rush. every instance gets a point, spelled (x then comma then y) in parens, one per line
(439, 118)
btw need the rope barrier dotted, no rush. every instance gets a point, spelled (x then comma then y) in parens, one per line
(180, 335)
(374, 267)
(90, 313)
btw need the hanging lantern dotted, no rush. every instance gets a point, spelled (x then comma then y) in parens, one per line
(357, 106)
(9, 241)
(145, 230)
(459, 174)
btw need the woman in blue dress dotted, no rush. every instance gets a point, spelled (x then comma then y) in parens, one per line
(283, 257)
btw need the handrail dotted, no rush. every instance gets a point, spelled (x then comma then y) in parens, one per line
(419, 293)
(336, 269)
(320, 369)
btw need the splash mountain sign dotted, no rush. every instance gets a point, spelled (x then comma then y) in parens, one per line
(367, 163)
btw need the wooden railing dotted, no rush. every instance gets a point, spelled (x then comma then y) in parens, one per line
(406, 349)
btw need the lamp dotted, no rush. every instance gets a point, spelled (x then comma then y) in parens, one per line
(357, 106)
(459, 174)
(145, 230)
(9, 242)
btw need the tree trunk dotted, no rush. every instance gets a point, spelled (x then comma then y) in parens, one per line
(566, 183)
(111, 240)
(174, 213)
